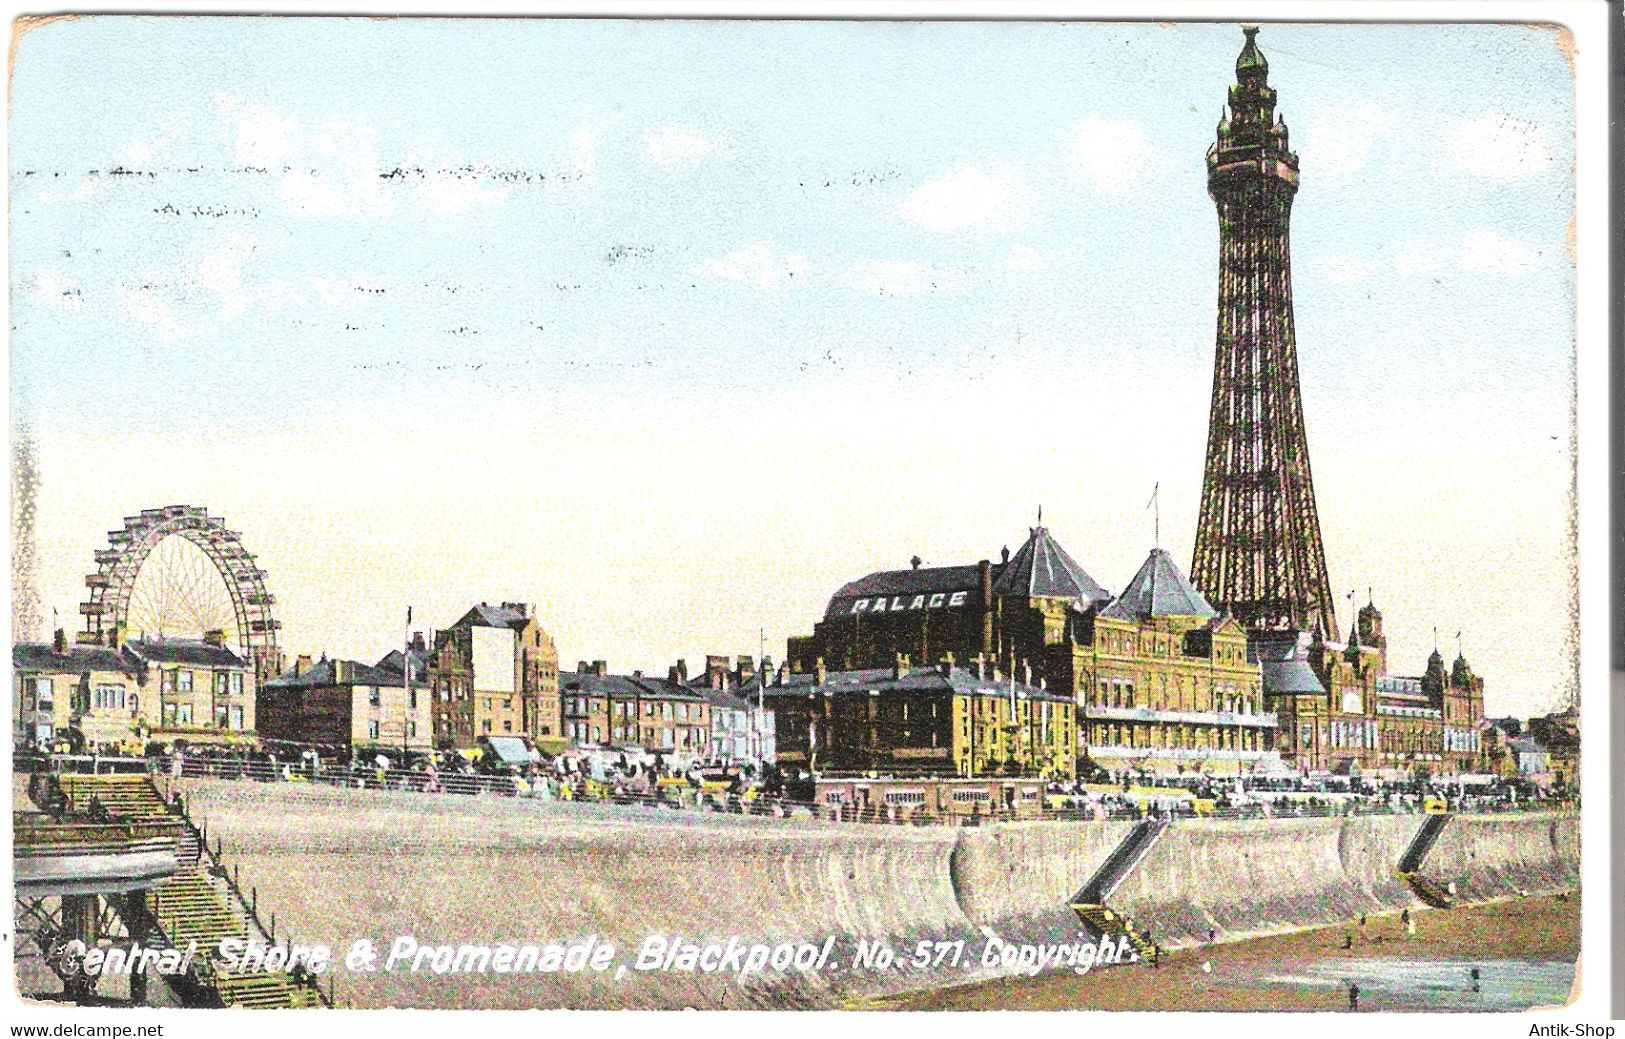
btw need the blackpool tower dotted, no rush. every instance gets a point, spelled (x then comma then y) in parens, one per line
(1258, 547)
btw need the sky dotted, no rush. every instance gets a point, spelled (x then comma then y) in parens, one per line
(673, 327)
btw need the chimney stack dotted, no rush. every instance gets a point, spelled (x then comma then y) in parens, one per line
(418, 643)
(582, 668)
(301, 664)
(600, 668)
(914, 564)
(59, 642)
(214, 637)
(681, 670)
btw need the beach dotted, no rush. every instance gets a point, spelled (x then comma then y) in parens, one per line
(1520, 945)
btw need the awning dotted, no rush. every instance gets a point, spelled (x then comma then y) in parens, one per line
(510, 749)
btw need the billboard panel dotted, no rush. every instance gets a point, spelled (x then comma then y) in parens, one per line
(494, 660)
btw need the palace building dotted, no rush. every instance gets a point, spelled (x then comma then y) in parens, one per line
(1006, 612)
(1355, 716)
(943, 720)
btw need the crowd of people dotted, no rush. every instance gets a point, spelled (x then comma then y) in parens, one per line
(642, 777)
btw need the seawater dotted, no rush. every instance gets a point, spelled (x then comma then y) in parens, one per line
(1503, 985)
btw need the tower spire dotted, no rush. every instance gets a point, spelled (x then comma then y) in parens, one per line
(1258, 547)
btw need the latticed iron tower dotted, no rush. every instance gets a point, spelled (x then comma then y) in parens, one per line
(1258, 548)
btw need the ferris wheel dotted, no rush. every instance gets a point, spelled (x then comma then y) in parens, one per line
(178, 572)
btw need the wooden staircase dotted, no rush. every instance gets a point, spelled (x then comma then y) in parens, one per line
(1106, 924)
(1103, 922)
(123, 797)
(1428, 890)
(190, 906)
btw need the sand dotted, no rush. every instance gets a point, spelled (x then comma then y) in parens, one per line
(1536, 929)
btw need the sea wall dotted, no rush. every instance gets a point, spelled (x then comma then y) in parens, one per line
(336, 866)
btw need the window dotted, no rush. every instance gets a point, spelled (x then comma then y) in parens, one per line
(183, 681)
(220, 687)
(665, 712)
(42, 694)
(372, 729)
(168, 681)
(485, 725)
(412, 699)
(237, 717)
(667, 738)
(412, 728)
(507, 725)
(183, 713)
(220, 716)
(597, 734)
(374, 697)
(236, 683)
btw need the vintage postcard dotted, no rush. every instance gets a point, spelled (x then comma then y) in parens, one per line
(848, 514)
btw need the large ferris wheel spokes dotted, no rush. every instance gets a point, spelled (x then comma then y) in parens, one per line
(185, 594)
(179, 591)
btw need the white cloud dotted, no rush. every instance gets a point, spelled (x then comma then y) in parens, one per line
(457, 190)
(965, 197)
(1024, 258)
(1114, 156)
(143, 304)
(901, 277)
(220, 271)
(1482, 252)
(1337, 145)
(584, 146)
(758, 264)
(1421, 259)
(86, 187)
(53, 289)
(142, 148)
(676, 145)
(345, 293)
(1501, 148)
(1344, 270)
(336, 173)
(1489, 252)
(264, 137)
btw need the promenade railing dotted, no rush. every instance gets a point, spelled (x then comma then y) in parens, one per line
(674, 793)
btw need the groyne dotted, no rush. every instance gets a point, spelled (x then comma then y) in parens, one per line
(337, 866)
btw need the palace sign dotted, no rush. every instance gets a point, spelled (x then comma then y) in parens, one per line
(900, 603)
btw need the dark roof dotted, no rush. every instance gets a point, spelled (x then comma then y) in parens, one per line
(1042, 568)
(1289, 676)
(322, 673)
(1159, 589)
(920, 679)
(42, 656)
(626, 687)
(486, 615)
(392, 664)
(921, 581)
(182, 651)
(743, 700)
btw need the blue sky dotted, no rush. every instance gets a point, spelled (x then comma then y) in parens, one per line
(673, 327)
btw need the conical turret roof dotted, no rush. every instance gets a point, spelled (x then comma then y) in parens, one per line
(1251, 57)
(1160, 589)
(1043, 568)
